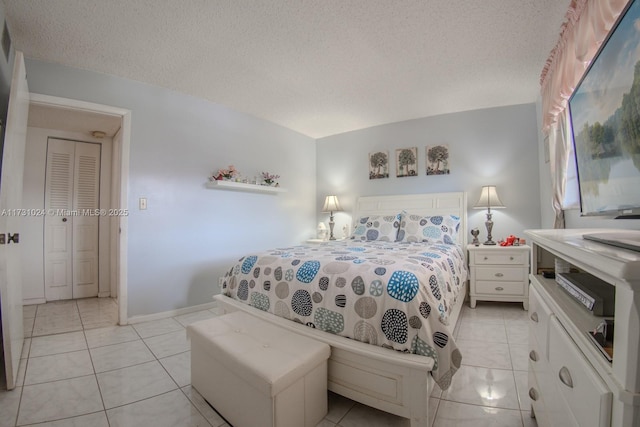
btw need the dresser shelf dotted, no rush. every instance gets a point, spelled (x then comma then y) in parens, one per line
(241, 186)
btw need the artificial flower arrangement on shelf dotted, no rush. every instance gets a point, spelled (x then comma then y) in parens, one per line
(225, 174)
(269, 179)
(232, 174)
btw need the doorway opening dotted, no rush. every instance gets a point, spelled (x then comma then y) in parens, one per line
(81, 136)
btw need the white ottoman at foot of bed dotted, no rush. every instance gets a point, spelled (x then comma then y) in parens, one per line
(257, 374)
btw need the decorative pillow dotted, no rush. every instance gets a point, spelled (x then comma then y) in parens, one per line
(433, 229)
(377, 227)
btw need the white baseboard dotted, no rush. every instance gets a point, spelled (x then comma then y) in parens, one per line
(171, 313)
(32, 301)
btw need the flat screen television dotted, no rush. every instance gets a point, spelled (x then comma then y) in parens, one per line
(605, 121)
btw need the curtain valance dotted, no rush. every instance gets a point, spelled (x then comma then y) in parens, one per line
(586, 25)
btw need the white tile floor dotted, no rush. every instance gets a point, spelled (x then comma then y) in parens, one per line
(105, 375)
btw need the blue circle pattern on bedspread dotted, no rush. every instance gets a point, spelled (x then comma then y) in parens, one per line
(307, 271)
(403, 285)
(341, 290)
(248, 264)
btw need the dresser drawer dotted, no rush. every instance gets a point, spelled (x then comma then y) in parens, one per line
(535, 356)
(586, 394)
(508, 257)
(537, 402)
(539, 315)
(499, 273)
(499, 288)
(551, 409)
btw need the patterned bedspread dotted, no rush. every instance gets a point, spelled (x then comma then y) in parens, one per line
(395, 295)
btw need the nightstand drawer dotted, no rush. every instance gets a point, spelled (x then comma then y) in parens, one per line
(501, 288)
(500, 273)
(500, 257)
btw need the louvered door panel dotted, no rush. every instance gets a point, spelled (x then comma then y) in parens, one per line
(60, 178)
(86, 196)
(87, 184)
(57, 223)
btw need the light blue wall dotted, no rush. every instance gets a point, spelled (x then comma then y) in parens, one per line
(491, 146)
(189, 235)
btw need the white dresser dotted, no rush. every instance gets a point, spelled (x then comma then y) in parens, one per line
(571, 382)
(499, 273)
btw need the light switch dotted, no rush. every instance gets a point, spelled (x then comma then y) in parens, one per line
(142, 203)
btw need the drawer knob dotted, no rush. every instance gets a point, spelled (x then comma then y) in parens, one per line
(565, 377)
(499, 275)
(510, 258)
(533, 355)
(533, 394)
(534, 316)
(499, 288)
(485, 258)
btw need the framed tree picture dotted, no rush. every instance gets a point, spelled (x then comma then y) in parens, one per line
(438, 160)
(379, 165)
(406, 162)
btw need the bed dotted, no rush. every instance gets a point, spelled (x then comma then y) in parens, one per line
(388, 309)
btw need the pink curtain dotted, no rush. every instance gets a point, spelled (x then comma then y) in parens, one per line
(558, 160)
(587, 24)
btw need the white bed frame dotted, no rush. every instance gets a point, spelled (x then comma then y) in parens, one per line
(388, 380)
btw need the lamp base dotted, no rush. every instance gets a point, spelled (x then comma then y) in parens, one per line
(331, 224)
(489, 224)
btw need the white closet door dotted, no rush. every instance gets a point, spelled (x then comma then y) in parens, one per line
(86, 201)
(58, 269)
(71, 225)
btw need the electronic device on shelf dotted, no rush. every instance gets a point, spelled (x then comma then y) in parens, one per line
(594, 294)
(602, 337)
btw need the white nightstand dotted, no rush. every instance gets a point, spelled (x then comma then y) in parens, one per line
(315, 241)
(499, 273)
(323, 241)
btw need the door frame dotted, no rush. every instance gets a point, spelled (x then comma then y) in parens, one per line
(120, 193)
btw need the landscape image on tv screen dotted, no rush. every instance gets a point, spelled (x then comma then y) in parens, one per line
(605, 118)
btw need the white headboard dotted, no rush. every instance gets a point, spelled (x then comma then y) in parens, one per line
(454, 203)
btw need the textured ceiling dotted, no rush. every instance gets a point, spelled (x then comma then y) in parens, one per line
(319, 67)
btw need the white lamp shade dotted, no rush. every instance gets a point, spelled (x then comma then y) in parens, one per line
(331, 204)
(489, 198)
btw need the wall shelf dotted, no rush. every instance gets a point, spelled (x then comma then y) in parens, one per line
(241, 186)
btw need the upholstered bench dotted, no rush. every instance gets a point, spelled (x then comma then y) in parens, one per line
(257, 374)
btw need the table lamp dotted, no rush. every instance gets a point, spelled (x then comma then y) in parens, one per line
(331, 205)
(489, 199)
